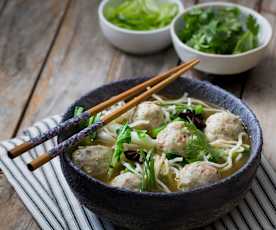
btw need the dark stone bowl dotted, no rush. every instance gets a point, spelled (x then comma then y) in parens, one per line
(180, 210)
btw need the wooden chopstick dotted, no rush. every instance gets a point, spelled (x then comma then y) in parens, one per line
(62, 147)
(20, 149)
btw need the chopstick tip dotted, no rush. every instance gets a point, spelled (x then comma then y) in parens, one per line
(10, 155)
(30, 167)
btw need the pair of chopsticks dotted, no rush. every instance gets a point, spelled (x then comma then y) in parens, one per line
(157, 83)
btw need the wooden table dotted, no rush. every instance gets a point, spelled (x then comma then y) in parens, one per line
(52, 52)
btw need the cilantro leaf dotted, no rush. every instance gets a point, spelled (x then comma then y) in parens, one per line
(155, 131)
(252, 25)
(148, 178)
(78, 110)
(245, 43)
(198, 109)
(219, 31)
(141, 133)
(198, 146)
(124, 136)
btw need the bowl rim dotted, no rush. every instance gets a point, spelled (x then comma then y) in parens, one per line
(254, 153)
(135, 32)
(223, 4)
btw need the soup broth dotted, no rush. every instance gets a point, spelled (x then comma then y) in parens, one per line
(165, 145)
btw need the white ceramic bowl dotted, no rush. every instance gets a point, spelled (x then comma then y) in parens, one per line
(136, 42)
(223, 64)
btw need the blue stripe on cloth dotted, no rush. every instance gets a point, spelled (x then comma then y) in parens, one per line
(49, 199)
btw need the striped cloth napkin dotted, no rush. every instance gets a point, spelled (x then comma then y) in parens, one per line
(49, 199)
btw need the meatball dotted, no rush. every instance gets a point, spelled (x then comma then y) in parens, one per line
(94, 160)
(173, 138)
(127, 180)
(223, 125)
(197, 174)
(150, 112)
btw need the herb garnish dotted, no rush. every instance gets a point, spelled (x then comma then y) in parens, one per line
(148, 178)
(219, 31)
(155, 131)
(124, 136)
(181, 107)
(78, 110)
(198, 146)
(141, 133)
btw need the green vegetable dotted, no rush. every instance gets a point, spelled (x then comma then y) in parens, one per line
(92, 120)
(198, 109)
(148, 179)
(141, 14)
(141, 133)
(180, 108)
(198, 146)
(171, 156)
(249, 39)
(78, 111)
(124, 136)
(155, 131)
(246, 151)
(219, 31)
(88, 140)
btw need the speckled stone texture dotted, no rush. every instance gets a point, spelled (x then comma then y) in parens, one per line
(181, 210)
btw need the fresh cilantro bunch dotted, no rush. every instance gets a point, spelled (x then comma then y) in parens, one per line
(219, 31)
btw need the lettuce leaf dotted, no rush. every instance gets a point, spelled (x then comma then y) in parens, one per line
(141, 14)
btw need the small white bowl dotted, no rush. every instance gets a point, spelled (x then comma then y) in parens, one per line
(136, 42)
(217, 63)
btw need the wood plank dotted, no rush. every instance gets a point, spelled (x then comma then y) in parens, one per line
(2, 5)
(260, 93)
(82, 60)
(79, 62)
(13, 214)
(269, 7)
(24, 42)
(129, 66)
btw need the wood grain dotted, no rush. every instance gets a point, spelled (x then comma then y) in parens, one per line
(2, 6)
(13, 214)
(24, 43)
(260, 94)
(269, 7)
(129, 66)
(79, 61)
(25, 40)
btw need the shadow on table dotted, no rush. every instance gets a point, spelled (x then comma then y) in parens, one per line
(233, 83)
